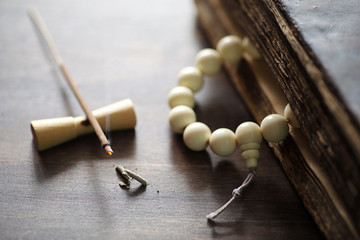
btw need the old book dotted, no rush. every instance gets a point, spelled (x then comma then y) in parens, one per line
(310, 58)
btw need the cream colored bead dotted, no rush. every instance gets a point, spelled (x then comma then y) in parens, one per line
(191, 77)
(251, 153)
(250, 48)
(223, 142)
(230, 48)
(252, 163)
(274, 128)
(248, 135)
(181, 96)
(196, 136)
(290, 117)
(248, 146)
(248, 132)
(180, 117)
(208, 61)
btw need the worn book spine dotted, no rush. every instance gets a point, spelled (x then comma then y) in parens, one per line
(322, 158)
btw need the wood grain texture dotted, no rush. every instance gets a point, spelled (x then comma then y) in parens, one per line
(326, 175)
(116, 50)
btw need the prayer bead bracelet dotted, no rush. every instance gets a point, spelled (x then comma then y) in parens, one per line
(223, 142)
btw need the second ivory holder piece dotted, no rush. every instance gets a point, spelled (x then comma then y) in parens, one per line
(51, 132)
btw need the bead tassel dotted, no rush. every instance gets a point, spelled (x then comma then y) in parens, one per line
(235, 195)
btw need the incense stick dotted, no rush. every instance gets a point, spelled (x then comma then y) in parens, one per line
(40, 24)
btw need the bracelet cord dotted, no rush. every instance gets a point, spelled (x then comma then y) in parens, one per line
(235, 195)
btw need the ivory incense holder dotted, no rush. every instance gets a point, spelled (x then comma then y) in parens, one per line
(51, 132)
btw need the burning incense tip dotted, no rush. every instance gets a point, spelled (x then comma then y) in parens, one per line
(108, 149)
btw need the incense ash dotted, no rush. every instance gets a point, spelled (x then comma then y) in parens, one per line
(128, 175)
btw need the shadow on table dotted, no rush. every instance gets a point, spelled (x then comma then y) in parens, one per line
(204, 170)
(85, 148)
(195, 166)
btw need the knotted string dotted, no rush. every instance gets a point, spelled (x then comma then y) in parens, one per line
(235, 194)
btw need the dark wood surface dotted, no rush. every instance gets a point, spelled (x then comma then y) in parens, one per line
(117, 50)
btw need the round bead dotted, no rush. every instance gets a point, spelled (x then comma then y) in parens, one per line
(290, 117)
(250, 48)
(180, 117)
(181, 96)
(230, 48)
(191, 77)
(274, 128)
(208, 61)
(223, 142)
(196, 136)
(248, 132)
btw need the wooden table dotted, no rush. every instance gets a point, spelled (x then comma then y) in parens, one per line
(118, 50)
